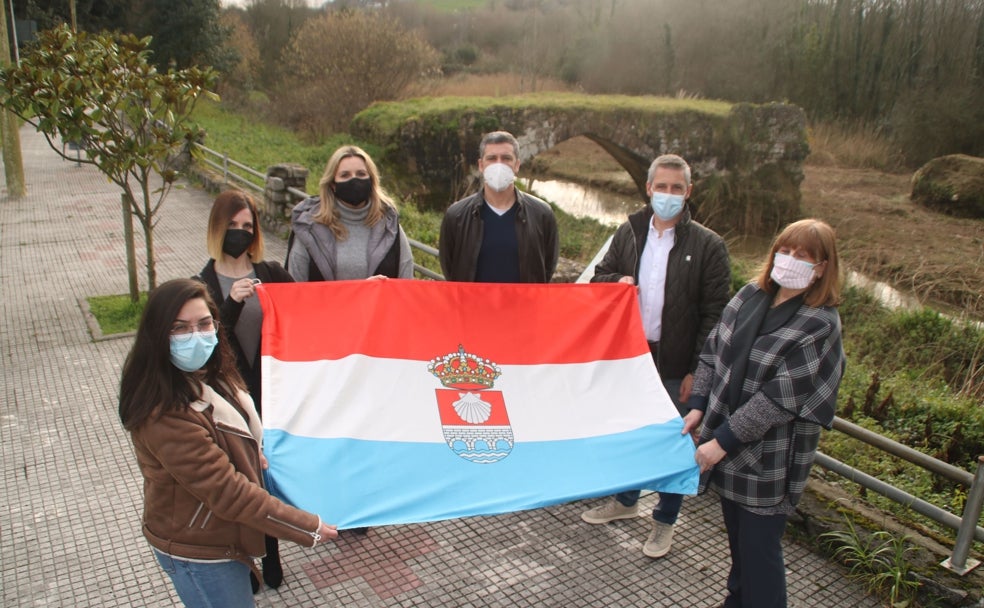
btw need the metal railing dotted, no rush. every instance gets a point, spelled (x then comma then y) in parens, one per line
(966, 526)
(224, 165)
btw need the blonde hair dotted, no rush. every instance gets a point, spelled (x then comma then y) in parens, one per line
(327, 212)
(818, 238)
(227, 204)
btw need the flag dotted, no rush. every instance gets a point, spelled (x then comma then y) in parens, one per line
(400, 401)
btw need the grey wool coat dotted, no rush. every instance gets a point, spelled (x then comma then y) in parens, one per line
(789, 393)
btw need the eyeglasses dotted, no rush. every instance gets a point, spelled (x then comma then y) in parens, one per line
(185, 330)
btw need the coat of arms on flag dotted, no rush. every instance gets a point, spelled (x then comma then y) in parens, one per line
(474, 419)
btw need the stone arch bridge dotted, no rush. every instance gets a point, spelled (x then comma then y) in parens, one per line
(746, 158)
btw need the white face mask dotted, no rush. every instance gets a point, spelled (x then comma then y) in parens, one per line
(498, 176)
(791, 273)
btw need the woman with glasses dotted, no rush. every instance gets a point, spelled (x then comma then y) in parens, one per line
(350, 231)
(235, 244)
(197, 439)
(766, 384)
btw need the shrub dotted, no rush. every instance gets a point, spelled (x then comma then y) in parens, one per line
(345, 61)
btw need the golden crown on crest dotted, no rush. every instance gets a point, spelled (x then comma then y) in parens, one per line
(463, 370)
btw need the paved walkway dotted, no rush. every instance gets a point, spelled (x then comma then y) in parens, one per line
(70, 501)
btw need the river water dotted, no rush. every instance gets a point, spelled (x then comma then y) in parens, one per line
(610, 208)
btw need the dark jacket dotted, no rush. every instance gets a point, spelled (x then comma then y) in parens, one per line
(788, 394)
(698, 279)
(202, 492)
(229, 310)
(536, 233)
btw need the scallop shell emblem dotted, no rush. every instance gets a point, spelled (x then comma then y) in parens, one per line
(471, 408)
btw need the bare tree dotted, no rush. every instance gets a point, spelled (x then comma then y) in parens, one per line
(347, 60)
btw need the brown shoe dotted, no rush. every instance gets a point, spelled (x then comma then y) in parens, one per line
(610, 511)
(659, 541)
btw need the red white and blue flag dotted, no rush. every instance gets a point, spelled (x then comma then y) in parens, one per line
(393, 401)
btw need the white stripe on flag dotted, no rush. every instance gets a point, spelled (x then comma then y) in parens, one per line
(331, 399)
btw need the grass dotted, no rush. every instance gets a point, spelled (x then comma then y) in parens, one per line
(116, 314)
(258, 144)
(859, 146)
(385, 117)
(580, 160)
(580, 238)
(879, 561)
(479, 85)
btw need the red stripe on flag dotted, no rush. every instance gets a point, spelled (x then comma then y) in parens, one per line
(508, 324)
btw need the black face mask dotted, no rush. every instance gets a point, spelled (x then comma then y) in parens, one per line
(354, 191)
(236, 242)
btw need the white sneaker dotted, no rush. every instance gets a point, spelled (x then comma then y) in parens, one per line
(659, 541)
(610, 511)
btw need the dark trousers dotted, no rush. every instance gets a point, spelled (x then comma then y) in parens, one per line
(667, 509)
(758, 572)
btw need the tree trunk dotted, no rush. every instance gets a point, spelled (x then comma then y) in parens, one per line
(131, 250)
(13, 163)
(151, 265)
(147, 221)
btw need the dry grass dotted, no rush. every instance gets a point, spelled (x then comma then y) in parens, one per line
(858, 147)
(882, 234)
(484, 85)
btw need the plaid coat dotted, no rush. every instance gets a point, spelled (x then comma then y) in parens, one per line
(789, 393)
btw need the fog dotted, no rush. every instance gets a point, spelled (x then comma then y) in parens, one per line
(243, 3)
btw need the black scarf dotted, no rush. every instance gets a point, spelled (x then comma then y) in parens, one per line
(754, 318)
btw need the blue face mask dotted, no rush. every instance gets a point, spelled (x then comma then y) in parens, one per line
(667, 206)
(190, 352)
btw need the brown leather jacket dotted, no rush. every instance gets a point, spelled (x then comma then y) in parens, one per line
(203, 497)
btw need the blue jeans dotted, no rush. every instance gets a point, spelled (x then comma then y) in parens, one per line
(667, 509)
(209, 585)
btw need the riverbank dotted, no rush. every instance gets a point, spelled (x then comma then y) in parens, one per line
(938, 260)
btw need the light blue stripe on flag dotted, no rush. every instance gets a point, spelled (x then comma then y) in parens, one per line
(354, 483)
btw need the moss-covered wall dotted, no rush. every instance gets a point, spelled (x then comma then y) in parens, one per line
(746, 158)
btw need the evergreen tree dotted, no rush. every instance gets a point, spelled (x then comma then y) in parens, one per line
(91, 15)
(185, 33)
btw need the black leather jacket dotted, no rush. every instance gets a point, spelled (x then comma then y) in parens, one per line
(536, 232)
(229, 310)
(698, 281)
